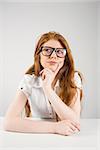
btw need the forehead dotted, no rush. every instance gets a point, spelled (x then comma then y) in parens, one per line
(53, 43)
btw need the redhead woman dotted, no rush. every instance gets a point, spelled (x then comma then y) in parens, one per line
(51, 90)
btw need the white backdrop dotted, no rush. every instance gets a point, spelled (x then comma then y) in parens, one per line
(21, 24)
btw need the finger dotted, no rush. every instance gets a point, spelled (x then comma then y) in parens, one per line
(75, 131)
(41, 72)
(69, 132)
(77, 125)
(46, 70)
(73, 127)
(43, 75)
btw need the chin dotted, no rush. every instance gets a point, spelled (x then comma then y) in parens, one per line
(53, 68)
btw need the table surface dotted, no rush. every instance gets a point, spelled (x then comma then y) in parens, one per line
(88, 138)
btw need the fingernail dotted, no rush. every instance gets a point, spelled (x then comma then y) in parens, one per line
(40, 72)
(78, 129)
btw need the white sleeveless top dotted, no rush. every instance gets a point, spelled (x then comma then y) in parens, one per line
(31, 86)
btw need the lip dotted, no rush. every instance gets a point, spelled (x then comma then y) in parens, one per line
(52, 62)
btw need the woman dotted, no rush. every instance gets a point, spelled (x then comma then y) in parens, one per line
(51, 89)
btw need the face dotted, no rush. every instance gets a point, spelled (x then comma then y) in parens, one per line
(52, 62)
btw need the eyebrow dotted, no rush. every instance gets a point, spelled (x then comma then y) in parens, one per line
(54, 47)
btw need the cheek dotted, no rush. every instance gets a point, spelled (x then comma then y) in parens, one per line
(61, 63)
(42, 61)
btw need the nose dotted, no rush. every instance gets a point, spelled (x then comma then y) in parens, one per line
(53, 54)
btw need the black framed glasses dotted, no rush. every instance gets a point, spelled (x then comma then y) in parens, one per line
(47, 51)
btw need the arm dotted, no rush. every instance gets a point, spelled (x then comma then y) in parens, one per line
(14, 122)
(29, 126)
(62, 110)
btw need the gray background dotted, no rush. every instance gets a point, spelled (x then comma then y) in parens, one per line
(21, 25)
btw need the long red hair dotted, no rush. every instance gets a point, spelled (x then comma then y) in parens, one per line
(68, 88)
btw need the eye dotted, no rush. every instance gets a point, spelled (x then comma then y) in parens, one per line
(47, 50)
(60, 51)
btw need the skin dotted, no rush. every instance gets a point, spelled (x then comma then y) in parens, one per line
(50, 64)
(48, 74)
(69, 116)
(46, 62)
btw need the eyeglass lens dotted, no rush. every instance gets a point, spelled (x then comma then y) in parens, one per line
(47, 51)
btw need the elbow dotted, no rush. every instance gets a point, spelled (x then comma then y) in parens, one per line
(7, 124)
(10, 123)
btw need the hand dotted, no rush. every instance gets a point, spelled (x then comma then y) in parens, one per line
(66, 127)
(48, 76)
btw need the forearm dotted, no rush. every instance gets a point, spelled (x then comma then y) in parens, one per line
(29, 126)
(62, 110)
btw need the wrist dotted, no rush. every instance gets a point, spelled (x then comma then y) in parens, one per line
(55, 127)
(52, 128)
